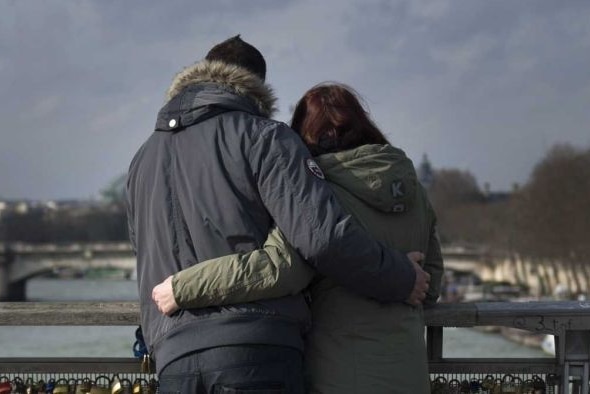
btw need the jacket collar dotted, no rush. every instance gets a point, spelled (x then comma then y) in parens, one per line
(231, 77)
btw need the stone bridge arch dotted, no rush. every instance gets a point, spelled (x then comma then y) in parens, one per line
(23, 262)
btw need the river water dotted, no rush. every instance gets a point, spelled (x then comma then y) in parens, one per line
(98, 341)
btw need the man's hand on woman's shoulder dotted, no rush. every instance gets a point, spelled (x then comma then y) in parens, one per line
(422, 282)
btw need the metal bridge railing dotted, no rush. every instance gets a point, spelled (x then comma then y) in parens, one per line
(567, 372)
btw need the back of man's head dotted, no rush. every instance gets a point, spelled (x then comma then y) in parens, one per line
(238, 52)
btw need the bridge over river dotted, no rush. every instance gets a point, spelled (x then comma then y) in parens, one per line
(21, 262)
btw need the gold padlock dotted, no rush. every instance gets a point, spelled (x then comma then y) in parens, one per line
(102, 385)
(61, 387)
(30, 386)
(488, 384)
(140, 386)
(83, 386)
(41, 387)
(147, 365)
(99, 390)
(126, 386)
(116, 387)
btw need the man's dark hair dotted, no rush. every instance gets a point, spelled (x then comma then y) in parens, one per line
(238, 52)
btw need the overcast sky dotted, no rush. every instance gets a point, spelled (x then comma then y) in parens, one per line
(478, 85)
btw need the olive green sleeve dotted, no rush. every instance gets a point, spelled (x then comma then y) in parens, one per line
(274, 271)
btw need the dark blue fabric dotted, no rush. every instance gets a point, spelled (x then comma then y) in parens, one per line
(256, 369)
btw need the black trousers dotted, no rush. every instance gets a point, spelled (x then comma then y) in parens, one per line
(252, 369)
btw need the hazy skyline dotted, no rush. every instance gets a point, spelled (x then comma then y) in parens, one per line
(482, 86)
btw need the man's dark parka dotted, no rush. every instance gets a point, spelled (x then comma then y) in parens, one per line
(210, 181)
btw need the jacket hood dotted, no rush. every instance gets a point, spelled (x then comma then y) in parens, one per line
(233, 78)
(380, 175)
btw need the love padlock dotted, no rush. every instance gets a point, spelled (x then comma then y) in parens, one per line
(488, 384)
(116, 387)
(31, 387)
(18, 386)
(126, 387)
(153, 386)
(454, 386)
(101, 385)
(439, 385)
(140, 386)
(83, 386)
(41, 387)
(527, 387)
(497, 386)
(61, 386)
(465, 387)
(539, 386)
(552, 380)
(475, 385)
(5, 385)
(49, 386)
(511, 384)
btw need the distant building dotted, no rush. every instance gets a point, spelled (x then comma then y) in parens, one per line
(495, 196)
(425, 172)
(23, 207)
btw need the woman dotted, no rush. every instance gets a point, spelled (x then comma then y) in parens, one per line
(356, 345)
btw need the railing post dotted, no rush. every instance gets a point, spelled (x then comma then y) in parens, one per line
(10, 291)
(6, 258)
(434, 343)
(574, 346)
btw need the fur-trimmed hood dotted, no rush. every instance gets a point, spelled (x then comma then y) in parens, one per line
(231, 77)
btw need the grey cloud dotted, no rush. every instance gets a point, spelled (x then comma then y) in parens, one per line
(484, 85)
(464, 81)
(82, 82)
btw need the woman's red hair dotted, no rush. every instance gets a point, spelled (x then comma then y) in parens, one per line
(330, 118)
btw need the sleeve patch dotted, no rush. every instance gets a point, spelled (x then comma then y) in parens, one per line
(314, 168)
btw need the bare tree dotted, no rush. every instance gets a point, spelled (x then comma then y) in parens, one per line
(456, 198)
(554, 211)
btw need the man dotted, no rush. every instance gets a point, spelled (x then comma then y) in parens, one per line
(210, 181)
